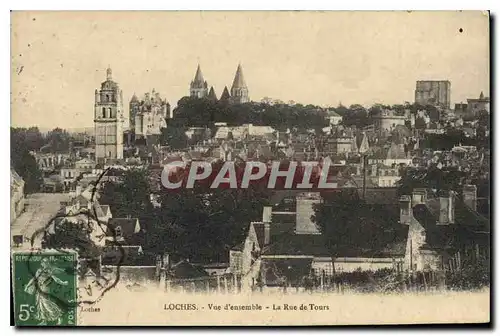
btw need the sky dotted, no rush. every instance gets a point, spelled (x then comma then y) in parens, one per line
(58, 59)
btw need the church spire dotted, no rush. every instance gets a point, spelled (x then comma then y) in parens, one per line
(225, 95)
(198, 77)
(211, 94)
(239, 90)
(199, 86)
(239, 80)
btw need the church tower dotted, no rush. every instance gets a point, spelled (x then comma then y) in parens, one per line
(239, 90)
(108, 120)
(199, 86)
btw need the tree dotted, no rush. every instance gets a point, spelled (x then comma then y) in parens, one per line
(175, 137)
(71, 235)
(58, 140)
(23, 162)
(432, 178)
(129, 197)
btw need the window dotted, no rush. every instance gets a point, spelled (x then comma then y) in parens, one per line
(110, 113)
(118, 231)
(108, 98)
(104, 112)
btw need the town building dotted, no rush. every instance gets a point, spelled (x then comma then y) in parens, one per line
(433, 92)
(445, 231)
(386, 121)
(333, 117)
(109, 120)
(476, 105)
(17, 199)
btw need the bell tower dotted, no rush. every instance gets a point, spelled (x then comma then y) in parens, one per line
(108, 120)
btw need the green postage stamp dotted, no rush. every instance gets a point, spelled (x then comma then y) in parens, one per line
(45, 288)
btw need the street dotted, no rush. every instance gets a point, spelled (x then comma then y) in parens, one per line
(39, 209)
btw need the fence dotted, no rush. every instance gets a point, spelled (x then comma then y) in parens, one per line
(225, 283)
(382, 281)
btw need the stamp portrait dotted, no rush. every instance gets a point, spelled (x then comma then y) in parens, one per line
(45, 288)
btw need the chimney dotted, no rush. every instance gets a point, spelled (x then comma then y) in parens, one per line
(165, 260)
(447, 208)
(158, 266)
(470, 196)
(266, 214)
(405, 210)
(266, 218)
(419, 196)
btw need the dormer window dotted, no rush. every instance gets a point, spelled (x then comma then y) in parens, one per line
(118, 232)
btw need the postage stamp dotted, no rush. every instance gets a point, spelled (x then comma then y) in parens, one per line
(45, 288)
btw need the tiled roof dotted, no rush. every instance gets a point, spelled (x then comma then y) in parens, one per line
(289, 243)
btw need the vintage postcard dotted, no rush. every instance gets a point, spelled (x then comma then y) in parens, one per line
(268, 168)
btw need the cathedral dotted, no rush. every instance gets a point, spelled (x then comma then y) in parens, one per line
(109, 121)
(237, 95)
(148, 115)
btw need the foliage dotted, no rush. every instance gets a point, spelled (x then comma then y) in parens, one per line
(58, 140)
(129, 197)
(200, 224)
(452, 137)
(195, 112)
(174, 136)
(472, 275)
(432, 178)
(22, 142)
(70, 235)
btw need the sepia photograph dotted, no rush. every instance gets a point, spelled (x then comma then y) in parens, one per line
(250, 168)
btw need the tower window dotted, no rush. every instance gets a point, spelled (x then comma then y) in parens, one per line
(108, 98)
(110, 113)
(104, 112)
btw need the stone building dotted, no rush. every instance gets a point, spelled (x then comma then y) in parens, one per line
(475, 105)
(109, 120)
(433, 92)
(237, 95)
(199, 86)
(239, 89)
(386, 121)
(17, 199)
(149, 115)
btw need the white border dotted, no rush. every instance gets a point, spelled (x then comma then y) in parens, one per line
(191, 5)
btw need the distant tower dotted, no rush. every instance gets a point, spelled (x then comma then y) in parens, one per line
(239, 90)
(212, 95)
(225, 96)
(199, 86)
(134, 106)
(108, 120)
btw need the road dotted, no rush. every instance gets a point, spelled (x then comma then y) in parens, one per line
(39, 209)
